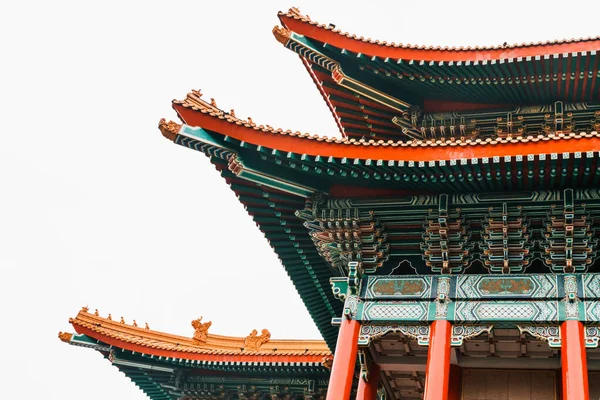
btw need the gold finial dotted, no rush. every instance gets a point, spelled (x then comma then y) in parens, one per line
(250, 121)
(213, 102)
(281, 34)
(65, 336)
(96, 313)
(327, 362)
(197, 93)
(122, 320)
(170, 129)
(109, 317)
(85, 308)
(201, 330)
(232, 112)
(134, 323)
(254, 342)
(147, 326)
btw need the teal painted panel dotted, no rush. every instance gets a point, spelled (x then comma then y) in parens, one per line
(542, 286)
(409, 287)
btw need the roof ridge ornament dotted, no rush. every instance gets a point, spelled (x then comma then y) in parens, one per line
(200, 330)
(282, 34)
(170, 129)
(254, 342)
(65, 336)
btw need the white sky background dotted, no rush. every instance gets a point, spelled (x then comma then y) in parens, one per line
(98, 209)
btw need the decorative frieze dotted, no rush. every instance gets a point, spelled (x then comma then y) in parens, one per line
(540, 286)
(420, 333)
(592, 336)
(460, 333)
(548, 333)
(407, 287)
(471, 299)
(509, 311)
(369, 332)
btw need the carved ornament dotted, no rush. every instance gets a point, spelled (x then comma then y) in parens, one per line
(200, 330)
(281, 34)
(65, 336)
(169, 129)
(254, 341)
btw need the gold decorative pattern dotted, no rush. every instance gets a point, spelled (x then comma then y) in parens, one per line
(169, 129)
(254, 342)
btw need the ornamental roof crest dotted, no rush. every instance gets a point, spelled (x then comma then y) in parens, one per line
(200, 330)
(254, 341)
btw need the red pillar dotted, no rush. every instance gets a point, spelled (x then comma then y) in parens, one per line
(437, 376)
(367, 390)
(574, 364)
(344, 360)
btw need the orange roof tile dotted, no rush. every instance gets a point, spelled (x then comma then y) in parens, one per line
(195, 111)
(302, 24)
(215, 348)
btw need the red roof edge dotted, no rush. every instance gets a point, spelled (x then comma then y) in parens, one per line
(302, 25)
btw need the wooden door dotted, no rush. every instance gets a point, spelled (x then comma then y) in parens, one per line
(479, 384)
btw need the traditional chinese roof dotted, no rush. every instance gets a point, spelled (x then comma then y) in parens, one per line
(213, 348)
(387, 162)
(206, 366)
(279, 175)
(384, 90)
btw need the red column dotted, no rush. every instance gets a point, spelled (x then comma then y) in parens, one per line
(367, 390)
(437, 375)
(344, 360)
(574, 364)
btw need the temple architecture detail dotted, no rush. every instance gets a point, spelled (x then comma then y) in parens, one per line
(167, 366)
(444, 241)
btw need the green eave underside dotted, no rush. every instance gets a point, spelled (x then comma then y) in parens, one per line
(523, 172)
(272, 208)
(165, 378)
(531, 80)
